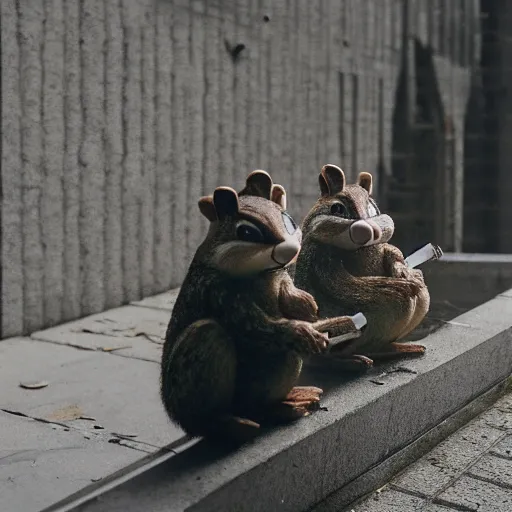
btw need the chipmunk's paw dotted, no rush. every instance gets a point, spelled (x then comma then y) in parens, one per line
(310, 341)
(299, 402)
(304, 396)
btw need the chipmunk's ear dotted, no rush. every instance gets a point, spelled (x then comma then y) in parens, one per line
(258, 183)
(365, 181)
(278, 196)
(207, 208)
(226, 203)
(331, 179)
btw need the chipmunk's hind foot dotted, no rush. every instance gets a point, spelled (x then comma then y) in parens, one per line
(303, 395)
(299, 402)
(399, 351)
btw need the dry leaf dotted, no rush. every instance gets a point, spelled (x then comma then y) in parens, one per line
(112, 349)
(34, 384)
(68, 413)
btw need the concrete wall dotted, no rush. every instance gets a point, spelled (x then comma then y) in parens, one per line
(118, 115)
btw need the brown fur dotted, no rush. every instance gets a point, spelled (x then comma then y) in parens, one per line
(346, 278)
(235, 341)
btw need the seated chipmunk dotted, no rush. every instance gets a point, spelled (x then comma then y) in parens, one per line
(348, 266)
(239, 329)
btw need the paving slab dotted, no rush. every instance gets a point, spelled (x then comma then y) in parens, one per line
(470, 470)
(471, 494)
(500, 416)
(493, 469)
(433, 472)
(129, 331)
(42, 463)
(391, 500)
(111, 394)
(504, 448)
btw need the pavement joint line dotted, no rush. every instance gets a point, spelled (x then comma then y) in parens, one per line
(87, 349)
(71, 345)
(113, 353)
(503, 485)
(448, 504)
(501, 456)
(410, 492)
(151, 307)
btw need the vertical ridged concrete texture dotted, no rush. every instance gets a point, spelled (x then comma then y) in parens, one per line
(117, 115)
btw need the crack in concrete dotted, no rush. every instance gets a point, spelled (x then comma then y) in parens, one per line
(103, 435)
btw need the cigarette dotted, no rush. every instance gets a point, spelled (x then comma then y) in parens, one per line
(426, 253)
(359, 321)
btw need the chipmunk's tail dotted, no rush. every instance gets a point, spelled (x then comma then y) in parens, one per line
(227, 429)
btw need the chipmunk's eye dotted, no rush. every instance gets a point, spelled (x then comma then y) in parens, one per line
(372, 209)
(289, 223)
(338, 209)
(248, 232)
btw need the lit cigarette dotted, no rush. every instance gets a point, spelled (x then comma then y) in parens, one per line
(427, 253)
(359, 321)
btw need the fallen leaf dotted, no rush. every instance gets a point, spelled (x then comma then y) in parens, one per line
(34, 384)
(68, 413)
(90, 418)
(112, 349)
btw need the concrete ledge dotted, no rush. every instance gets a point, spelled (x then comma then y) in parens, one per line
(367, 421)
(466, 280)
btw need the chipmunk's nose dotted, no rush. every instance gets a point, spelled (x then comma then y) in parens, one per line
(284, 252)
(361, 232)
(377, 232)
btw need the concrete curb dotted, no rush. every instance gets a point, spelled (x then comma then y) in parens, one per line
(367, 421)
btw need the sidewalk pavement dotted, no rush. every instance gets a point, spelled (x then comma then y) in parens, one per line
(470, 470)
(99, 411)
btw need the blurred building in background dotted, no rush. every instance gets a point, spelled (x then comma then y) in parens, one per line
(117, 116)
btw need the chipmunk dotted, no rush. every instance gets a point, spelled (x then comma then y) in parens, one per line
(348, 266)
(240, 328)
